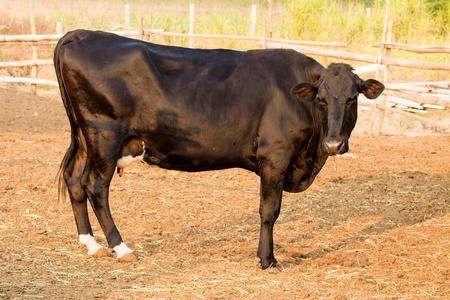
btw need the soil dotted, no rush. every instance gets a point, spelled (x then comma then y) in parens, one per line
(375, 223)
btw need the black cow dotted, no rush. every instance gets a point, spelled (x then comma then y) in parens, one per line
(277, 113)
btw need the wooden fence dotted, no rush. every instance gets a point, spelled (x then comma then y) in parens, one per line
(429, 93)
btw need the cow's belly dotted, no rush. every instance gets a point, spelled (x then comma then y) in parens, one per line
(186, 155)
(196, 160)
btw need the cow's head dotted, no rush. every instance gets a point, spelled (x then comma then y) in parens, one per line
(336, 94)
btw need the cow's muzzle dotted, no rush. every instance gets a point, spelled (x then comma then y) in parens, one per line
(333, 146)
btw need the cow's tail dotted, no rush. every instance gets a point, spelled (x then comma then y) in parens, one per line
(73, 148)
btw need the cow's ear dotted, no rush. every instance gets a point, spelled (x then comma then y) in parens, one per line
(371, 88)
(305, 91)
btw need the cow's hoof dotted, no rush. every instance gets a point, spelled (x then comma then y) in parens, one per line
(128, 258)
(102, 252)
(270, 264)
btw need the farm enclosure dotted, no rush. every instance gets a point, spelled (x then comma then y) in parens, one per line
(375, 222)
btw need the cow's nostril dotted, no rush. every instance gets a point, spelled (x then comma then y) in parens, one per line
(334, 146)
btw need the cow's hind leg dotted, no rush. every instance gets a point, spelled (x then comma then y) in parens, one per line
(72, 176)
(96, 186)
(100, 167)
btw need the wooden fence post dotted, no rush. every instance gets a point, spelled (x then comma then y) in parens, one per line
(269, 4)
(253, 23)
(141, 29)
(59, 28)
(150, 25)
(34, 68)
(127, 16)
(191, 23)
(264, 41)
(385, 80)
(380, 58)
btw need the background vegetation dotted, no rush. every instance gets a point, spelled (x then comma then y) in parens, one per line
(416, 22)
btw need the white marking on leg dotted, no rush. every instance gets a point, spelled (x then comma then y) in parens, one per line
(122, 249)
(90, 243)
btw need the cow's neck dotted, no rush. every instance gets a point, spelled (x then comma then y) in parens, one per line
(309, 159)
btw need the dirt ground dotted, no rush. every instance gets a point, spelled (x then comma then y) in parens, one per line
(375, 224)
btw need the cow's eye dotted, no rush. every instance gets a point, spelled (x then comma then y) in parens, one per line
(321, 102)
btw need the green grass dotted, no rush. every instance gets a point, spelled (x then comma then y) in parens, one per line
(416, 22)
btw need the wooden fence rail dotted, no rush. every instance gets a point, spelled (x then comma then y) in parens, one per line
(26, 63)
(406, 114)
(54, 38)
(419, 98)
(11, 79)
(416, 49)
(30, 38)
(360, 57)
(248, 38)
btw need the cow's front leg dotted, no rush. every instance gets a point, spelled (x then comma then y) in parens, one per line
(272, 180)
